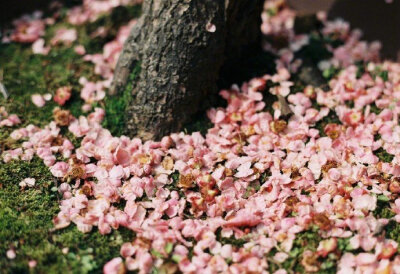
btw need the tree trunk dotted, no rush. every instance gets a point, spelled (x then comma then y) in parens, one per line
(183, 48)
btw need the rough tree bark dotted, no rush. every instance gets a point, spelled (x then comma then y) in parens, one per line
(183, 47)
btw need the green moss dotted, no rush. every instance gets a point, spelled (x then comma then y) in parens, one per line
(392, 231)
(26, 225)
(26, 215)
(307, 240)
(383, 155)
(231, 240)
(26, 74)
(74, 140)
(115, 106)
(375, 109)
(384, 75)
(383, 210)
(377, 137)
(329, 73)
(344, 244)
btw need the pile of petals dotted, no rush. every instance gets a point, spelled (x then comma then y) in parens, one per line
(255, 176)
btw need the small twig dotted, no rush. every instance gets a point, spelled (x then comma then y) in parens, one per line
(284, 106)
(3, 89)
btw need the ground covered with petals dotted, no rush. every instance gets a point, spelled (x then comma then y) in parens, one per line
(293, 174)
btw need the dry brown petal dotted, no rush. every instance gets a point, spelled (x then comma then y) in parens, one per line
(86, 189)
(197, 164)
(278, 126)
(76, 172)
(341, 209)
(322, 221)
(121, 269)
(62, 117)
(394, 186)
(167, 163)
(329, 164)
(333, 134)
(228, 172)
(387, 176)
(142, 242)
(249, 131)
(310, 261)
(281, 237)
(295, 174)
(240, 138)
(309, 91)
(185, 181)
(238, 149)
(381, 179)
(256, 171)
(83, 211)
(73, 160)
(57, 141)
(291, 202)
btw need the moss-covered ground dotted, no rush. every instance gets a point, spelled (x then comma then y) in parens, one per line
(26, 216)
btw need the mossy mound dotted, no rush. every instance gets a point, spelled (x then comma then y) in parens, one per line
(26, 215)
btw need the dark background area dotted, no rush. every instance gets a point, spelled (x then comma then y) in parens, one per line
(377, 19)
(11, 9)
